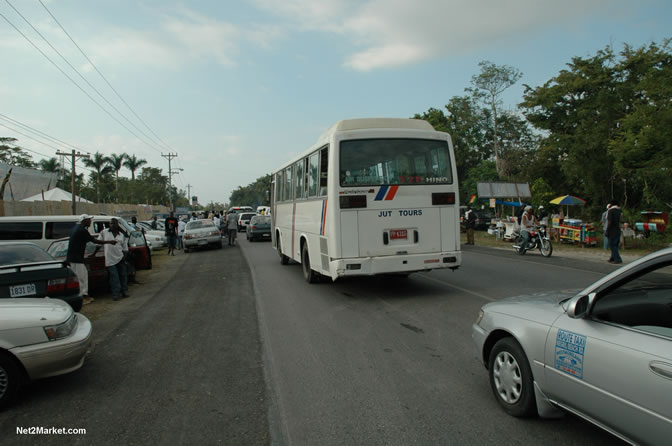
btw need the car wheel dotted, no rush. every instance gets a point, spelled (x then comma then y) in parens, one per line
(9, 380)
(308, 274)
(511, 378)
(283, 258)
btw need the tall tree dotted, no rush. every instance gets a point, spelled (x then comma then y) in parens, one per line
(49, 165)
(489, 84)
(116, 162)
(13, 155)
(99, 163)
(133, 163)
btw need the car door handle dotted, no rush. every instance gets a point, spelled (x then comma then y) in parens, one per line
(661, 368)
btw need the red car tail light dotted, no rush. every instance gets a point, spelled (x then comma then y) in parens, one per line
(254, 227)
(72, 283)
(56, 285)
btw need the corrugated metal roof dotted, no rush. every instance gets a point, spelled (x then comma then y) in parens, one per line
(503, 190)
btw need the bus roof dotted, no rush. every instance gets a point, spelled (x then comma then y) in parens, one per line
(380, 123)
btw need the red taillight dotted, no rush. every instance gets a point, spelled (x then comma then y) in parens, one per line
(254, 227)
(72, 283)
(56, 286)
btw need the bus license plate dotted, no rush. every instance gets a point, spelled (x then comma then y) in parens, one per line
(396, 234)
(22, 290)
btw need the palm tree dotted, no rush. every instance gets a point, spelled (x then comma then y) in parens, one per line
(116, 162)
(132, 163)
(51, 165)
(99, 162)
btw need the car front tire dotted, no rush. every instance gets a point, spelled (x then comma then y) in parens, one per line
(511, 378)
(9, 380)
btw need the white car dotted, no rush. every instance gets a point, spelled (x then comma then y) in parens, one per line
(39, 338)
(200, 234)
(244, 220)
(157, 237)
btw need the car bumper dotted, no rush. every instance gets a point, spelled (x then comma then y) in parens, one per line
(369, 266)
(259, 234)
(202, 242)
(478, 336)
(57, 357)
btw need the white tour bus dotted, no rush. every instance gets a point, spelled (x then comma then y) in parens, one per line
(372, 196)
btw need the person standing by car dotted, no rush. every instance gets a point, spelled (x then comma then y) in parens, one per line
(613, 231)
(154, 224)
(115, 259)
(171, 233)
(181, 224)
(79, 237)
(232, 226)
(470, 221)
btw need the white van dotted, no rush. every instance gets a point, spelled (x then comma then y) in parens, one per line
(43, 230)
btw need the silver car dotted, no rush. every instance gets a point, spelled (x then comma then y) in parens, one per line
(604, 354)
(200, 234)
(39, 338)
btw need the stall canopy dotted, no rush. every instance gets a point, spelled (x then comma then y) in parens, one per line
(55, 194)
(568, 200)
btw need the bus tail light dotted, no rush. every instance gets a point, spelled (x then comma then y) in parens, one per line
(352, 201)
(443, 198)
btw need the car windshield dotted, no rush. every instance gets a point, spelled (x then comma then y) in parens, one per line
(199, 224)
(260, 220)
(17, 254)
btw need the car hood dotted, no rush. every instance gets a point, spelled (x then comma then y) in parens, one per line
(32, 312)
(540, 307)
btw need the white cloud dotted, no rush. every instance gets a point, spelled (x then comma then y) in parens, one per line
(391, 33)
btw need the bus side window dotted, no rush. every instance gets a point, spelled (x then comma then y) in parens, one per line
(288, 184)
(299, 179)
(313, 178)
(324, 169)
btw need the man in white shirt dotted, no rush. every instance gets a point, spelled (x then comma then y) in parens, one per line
(180, 232)
(115, 256)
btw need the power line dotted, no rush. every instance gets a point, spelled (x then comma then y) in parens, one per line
(72, 80)
(103, 77)
(35, 131)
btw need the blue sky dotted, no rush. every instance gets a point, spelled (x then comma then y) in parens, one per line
(236, 88)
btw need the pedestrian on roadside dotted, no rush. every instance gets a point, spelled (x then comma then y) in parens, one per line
(154, 224)
(614, 231)
(215, 219)
(79, 237)
(134, 222)
(605, 238)
(171, 233)
(180, 232)
(470, 221)
(115, 259)
(232, 225)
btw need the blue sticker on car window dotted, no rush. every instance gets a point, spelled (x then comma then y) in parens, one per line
(569, 350)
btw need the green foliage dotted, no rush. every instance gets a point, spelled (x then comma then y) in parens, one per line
(542, 193)
(254, 194)
(13, 155)
(484, 171)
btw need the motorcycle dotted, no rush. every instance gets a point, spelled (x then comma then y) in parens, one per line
(538, 239)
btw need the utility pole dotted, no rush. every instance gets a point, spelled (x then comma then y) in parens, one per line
(74, 175)
(189, 195)
(170, 157)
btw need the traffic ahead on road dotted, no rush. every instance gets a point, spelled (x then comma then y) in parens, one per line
(428, 358)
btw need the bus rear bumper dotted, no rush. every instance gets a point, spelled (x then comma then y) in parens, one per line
(408, 263)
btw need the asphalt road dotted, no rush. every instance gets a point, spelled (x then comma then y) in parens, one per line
(179, 362)
(390, 360)
(230, 347)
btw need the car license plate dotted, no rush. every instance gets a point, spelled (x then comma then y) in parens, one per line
(267, 235)
(396, 234)
(202, 242)
(22, 290)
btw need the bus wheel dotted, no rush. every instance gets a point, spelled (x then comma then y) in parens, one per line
(310, 275)
(283, 258)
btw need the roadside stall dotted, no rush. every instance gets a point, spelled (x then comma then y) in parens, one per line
(573, 230)
(653, 221)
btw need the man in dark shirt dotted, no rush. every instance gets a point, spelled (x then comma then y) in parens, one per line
(171, 233)
(613, 231)
(79, 237)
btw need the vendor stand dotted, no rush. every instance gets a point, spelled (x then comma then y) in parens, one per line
(654, 221)
(571, 230)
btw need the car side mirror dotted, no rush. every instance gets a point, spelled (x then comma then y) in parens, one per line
(578, 307)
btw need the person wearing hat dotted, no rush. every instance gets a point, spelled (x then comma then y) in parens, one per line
(79, 237)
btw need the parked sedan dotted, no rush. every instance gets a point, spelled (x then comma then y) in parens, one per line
(604, 354)
(39, 338)
(200, 234)
(156, 236)
(26, 270)
(259, 228)
(94, 258)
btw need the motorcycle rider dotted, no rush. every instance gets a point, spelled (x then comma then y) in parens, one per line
(528, 221)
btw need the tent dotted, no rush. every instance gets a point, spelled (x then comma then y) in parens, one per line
(56, 194)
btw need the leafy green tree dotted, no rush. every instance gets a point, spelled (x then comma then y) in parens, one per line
(49, 165)
(489, 85)
(98, 162)
(116, 162)
(133, 163)
(13, 155)
(151, 186)
(254, 194)
(485, 171)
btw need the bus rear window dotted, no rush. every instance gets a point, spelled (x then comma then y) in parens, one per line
(375, 162)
